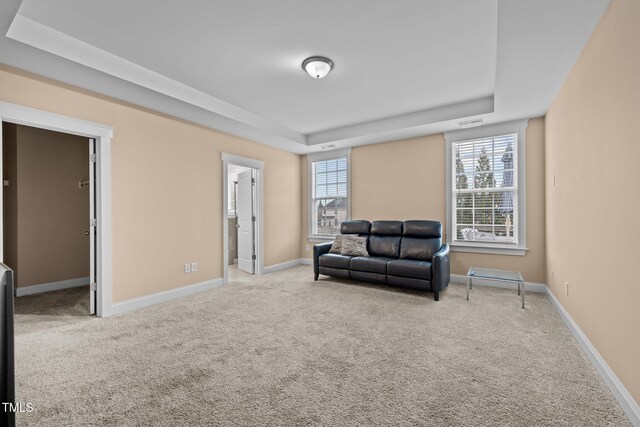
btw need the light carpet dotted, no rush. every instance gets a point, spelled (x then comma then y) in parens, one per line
(281, 349)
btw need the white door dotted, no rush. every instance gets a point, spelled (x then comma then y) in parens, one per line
(93, 229)
(246, 254)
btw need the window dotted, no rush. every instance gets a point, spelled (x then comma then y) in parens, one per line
(329, 191)
(485, 189)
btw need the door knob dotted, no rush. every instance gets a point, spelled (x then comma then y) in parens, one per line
(237, 225)
(86, 233)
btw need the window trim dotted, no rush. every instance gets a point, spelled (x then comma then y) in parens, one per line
(518, 127)
(319, 157)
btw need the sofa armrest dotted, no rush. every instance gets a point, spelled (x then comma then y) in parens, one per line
(319, 249)
(441, 269)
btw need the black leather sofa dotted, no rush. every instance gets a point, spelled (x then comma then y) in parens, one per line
(407, 254)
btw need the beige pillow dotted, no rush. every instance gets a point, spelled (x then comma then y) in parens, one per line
(336, 248)
(354, 246)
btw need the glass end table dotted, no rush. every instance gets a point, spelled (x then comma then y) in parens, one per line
(499, 275)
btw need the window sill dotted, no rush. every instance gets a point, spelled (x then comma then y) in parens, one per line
(320, 239)
(486, 249)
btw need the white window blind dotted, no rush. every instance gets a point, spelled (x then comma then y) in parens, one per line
(485, 193)
(329, 199)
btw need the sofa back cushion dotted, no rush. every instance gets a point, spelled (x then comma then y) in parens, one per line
(420, 240)
(384, 239)
(355, 227)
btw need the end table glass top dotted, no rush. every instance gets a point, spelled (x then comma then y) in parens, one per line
(488, 273)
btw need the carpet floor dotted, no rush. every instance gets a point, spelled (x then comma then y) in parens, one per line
(281, 349)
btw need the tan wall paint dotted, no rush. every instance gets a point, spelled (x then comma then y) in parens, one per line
(592, 212)
(167, 187)
(52, 211)
(406, 180)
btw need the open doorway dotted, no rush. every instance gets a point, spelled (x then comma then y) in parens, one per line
(101, 222)
(242, 217)
(242, 202)
(49, 211)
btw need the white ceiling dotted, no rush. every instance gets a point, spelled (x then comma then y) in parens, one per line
(403, 68)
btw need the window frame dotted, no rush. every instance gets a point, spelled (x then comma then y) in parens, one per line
(514, 127)
(321, 157)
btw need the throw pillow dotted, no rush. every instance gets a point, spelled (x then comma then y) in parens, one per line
(336, 248)
(354, 246)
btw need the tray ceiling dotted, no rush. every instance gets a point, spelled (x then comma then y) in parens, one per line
(402, 69)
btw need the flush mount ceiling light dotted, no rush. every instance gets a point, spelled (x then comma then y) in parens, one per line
(317, 66)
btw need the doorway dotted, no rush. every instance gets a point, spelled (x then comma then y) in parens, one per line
(242, 216)
(101, 221)
(48, 207)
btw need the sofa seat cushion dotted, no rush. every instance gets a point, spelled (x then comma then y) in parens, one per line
(334, 261)
(409, 268)
(370, 264)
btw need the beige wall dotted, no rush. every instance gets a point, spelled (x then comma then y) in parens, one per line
(167, 188)
(52, 210)
(593, 209)
(406, 180)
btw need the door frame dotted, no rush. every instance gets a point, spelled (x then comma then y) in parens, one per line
(21, 115)
(258, 165)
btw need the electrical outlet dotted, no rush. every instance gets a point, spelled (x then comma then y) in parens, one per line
(566, 284)
(187, 268)
(307, 247)
(194, 267)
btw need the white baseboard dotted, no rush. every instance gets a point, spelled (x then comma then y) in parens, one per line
(53, 286)
(171, 294)
(282, 266)
(626, 401)
(288, 264)
(528, 286)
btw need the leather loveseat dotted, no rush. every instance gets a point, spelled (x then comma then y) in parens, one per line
(407, 254)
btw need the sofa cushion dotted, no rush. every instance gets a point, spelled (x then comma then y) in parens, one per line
(334, 261)
(385, 238)
(354, 246)
(422, 229)
(409, 268)
(370, 264)
(386, 228)
(419, 249)
(385, 246)
(355, 227)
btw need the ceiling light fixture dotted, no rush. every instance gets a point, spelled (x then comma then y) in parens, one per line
(317, 66)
